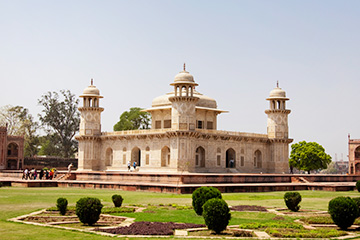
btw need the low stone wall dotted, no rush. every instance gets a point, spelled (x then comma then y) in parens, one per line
(129, 177)
(50, 162)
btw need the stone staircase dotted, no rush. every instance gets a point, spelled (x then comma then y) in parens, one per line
(299, 180)
(66, 176)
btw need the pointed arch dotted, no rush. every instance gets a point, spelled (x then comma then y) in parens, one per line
(165, 156)
(230, 158)
(357, 152)
(136, 156)
(200, 157)
(109, 157)
(257, 159)
(12, 155)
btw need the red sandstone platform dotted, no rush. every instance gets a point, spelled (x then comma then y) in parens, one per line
(188, 182)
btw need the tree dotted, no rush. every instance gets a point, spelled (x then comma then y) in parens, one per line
(20, 122)
(133, 119)
(61, 117)
(50, 145)
(308, 156)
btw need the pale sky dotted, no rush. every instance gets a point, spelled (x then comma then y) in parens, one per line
(236, 50)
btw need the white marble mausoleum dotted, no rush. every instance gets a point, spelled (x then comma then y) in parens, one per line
(184, 136)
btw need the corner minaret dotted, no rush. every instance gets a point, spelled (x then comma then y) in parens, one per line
(183, 114)
(277, 124)
(90, 123)
(90, 131)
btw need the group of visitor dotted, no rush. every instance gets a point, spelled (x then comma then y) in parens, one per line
(129, 166)
(43, 174)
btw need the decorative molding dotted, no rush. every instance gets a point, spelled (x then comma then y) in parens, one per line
(286, 111)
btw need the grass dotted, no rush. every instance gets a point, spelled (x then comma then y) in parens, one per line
(16, 201)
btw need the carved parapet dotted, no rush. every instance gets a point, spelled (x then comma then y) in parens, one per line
(183, 99)
(281, 140)
(97, 109)
(286, 111)
(87, 137)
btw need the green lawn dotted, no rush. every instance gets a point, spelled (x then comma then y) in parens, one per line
(16, 201)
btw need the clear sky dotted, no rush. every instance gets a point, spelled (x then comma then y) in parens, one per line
(236, 50)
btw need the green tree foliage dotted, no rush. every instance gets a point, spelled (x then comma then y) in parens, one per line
(201, 195)
(216, 214)
(343, 211)
(61, 117)
(133, 119)
(20, 122)
(50, 145)
(308, 156)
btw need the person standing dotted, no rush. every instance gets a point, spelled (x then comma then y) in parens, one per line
(69, 167)
(41, 174)
(35, 174)
(134, 165)
(129, 165)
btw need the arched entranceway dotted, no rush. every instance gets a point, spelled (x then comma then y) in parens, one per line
(200, 157)
(109, 157)
(136, 156)
(165, 156)
(357, 153)
(230, 158)
(357, 168)
(12, 156)
(258, 159)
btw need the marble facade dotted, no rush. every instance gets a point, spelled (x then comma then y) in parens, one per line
(184, 136)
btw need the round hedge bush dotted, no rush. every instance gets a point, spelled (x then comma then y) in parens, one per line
(201, 195)
(358, 185)
(216, 214)
(292, 200)
(117, 200)
(88, 210)
(61, 204)
(357, 202)
(343, 211)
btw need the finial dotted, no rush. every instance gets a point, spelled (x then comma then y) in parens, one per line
(184, 67)
(92, 82)
(277, 83)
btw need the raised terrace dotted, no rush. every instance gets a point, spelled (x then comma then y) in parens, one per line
(188, 182)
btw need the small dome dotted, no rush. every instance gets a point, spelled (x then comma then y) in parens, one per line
(277, 93)
(184, 76)
(91, 91)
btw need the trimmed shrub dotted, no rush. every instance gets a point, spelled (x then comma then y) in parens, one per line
(357, 202)
(201, 195)
(88, 210)
(216, 214)
(61, 205)
(292, 200)
(117, 200)
(358, 185)
(343, 211)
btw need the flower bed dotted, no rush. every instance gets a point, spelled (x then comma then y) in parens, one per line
(150, 228)
(248, 208)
